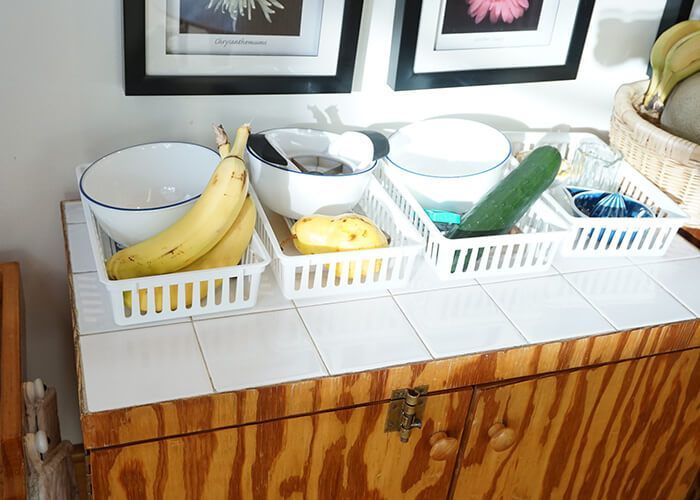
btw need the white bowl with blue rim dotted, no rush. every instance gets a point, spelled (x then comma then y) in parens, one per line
(449, 163)
(139, 191)
(300, 171)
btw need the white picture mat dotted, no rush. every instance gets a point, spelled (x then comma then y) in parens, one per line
(306, 44)
(159, 62)
(541, 36)
(429, 60)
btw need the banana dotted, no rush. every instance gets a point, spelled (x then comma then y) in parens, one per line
(323, 234)
(228, 252)
(660, 50)
(682, 61)
(200, 229)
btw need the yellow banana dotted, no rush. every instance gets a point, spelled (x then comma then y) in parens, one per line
(228, 252)
(198, 230)
(322, 234)
(682, 61)
(660, 50)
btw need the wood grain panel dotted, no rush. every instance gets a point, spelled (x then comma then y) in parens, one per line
(12, 474)
(625, 430)
(332, 455)
(215, 411)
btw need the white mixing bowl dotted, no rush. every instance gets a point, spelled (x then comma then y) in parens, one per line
(139, 191)
(297, 194)
(449, 163)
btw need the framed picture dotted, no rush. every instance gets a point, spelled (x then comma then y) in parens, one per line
(454, 43)
(675, 11)
(239, 46)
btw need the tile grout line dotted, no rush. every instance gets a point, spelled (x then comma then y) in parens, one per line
(520, 332)
(201, 351)
(341, 301)
(667, 290)
(313, 341)
(415, 330)
(588, 301)
(629, 264)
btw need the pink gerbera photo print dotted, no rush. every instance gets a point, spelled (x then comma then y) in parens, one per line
(485, 16)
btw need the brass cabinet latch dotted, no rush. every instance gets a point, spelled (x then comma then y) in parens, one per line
(405, 411)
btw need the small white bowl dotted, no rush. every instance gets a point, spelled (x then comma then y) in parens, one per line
(296, 194)
(449, 163)
(137, 192)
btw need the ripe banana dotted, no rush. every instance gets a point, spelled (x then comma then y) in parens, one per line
(322, 234)
(228, 252)
(200, 229)
(660, 50)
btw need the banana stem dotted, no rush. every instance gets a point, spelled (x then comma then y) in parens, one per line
(241, 139)
(239, 142)
(222, 141)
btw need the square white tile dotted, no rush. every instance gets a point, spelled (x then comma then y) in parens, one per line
(94, 308)
(258, 349)
(547, 309)
(424, 278)
(576, 264)
(681, 278)
(680, 248)
(345, 297)
(628, 297)
(458, 321)
(147, 365)
(362, 335)
(512, 277)
(81, 259)
(74, 212)
(270, 298)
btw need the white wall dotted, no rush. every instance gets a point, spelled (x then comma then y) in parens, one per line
(62, 103)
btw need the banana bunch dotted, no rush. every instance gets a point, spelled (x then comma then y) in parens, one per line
(214, 233)
(674, 57)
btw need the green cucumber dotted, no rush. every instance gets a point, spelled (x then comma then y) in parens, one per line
(499, 210)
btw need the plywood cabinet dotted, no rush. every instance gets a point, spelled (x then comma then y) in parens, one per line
(612, 416)
(625, 430)
(344, 454)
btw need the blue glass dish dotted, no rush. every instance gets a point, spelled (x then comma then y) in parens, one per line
(602, 204)
(605, 204)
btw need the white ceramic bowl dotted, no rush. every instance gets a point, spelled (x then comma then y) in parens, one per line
(137, 192)
(449, 163)
(297, 194)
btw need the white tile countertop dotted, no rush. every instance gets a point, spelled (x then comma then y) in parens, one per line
(280, 340)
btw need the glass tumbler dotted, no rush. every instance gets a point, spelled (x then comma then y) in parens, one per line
(595, 165)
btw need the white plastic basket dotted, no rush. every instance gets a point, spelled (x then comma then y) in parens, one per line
(303, 276)
(237, 285)
(530, 250)
(614, 236)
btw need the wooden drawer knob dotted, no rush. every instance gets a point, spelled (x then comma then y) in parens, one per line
(442, 447)
(502, 437)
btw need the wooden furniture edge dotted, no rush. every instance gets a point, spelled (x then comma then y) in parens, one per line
(692, 234)
(73, 313)
(12, 471)
(221, 410)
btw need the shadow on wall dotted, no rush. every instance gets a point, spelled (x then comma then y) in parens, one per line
(620, 41)
(329, 119)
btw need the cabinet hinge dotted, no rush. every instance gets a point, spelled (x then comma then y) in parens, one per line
(405, 411)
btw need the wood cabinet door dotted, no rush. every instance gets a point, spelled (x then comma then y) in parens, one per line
(628, 430)
(334, 455)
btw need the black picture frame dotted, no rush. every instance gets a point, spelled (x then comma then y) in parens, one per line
(137, 82)
(675, 11)
(403, 53)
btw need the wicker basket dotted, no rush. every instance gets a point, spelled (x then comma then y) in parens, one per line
(671, 162)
